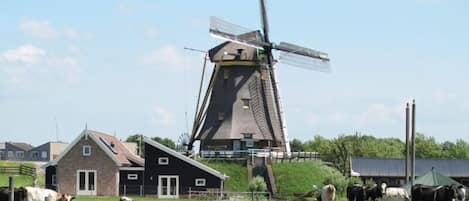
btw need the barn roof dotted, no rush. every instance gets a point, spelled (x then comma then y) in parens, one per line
(112, 146)
(393, 167)
(191, 161)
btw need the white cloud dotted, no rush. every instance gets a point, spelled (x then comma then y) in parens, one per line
(125, 9)
(165, 57)
(73, 34)
(26, 54)
(163, 116)
(29, 63)
(379, 114)
(38, 29)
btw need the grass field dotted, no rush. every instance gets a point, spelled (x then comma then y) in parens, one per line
(136, 198)
(238, 175)
(293, 178)
(20, 180)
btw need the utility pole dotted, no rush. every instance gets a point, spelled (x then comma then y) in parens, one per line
(407, 145)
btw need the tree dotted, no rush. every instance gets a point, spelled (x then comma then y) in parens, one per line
(136, 138)
(165, 141)
(427, 147)
(296, 145)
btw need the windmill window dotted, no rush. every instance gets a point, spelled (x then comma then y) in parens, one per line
(246, 104)
(249, 144)
(221, 116)
(247, 135)
(163, 161)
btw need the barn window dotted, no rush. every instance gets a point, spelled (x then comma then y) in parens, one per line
(54, 180)
(44, 154)
(200, 182)
(249, 144)
(86, 150)
(163, 161)
(132, 176)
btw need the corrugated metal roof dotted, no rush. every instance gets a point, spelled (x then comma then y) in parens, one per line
(391, 167)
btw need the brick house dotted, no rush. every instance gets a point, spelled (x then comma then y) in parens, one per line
(14, 151)
(94, 163)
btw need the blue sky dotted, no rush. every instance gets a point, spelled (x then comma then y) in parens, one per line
(120, 66)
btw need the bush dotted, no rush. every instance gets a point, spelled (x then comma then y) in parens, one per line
(257, 184)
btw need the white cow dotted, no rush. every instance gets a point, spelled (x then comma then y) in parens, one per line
(41, 194)
(396, 192)
(123, 198)
(328, 193)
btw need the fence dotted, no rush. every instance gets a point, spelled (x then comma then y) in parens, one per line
(216, 194)
(21, 170)
(274, 155)
(125, 190)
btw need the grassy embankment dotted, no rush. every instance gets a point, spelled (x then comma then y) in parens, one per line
(238, 178)
(20, 180)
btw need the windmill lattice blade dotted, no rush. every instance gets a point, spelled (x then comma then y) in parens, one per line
(235, 33)
(307, 52)
(304, 62)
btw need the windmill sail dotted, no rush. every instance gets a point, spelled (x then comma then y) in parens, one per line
(235, 33)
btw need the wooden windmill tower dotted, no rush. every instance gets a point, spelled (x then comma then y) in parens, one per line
(241, 108)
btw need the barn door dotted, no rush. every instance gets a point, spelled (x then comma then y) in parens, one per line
(86, 182)
(168, 186)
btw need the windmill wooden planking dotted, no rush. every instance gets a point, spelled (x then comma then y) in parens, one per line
(241, 109)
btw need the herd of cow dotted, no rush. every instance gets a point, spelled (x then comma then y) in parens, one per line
(33, 194)
(419, 192)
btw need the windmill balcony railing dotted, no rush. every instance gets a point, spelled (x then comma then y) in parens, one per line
(264, 153)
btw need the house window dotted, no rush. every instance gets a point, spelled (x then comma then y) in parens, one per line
(34, 154)
(246, 103)
(200, 182)
(54, 180)
(163, 161)
(132, 176)
(20, 154)
(249, 144)
(10, 154)
(86, 150)
(44, 154)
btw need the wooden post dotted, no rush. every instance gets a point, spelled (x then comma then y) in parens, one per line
(11, 186)
(190, 195)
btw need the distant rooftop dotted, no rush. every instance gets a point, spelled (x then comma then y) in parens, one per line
(21, 145)
(393, 167)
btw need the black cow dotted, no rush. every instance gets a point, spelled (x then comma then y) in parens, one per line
(20, 194)
(356, 193)
(433, 193)
(374, 192)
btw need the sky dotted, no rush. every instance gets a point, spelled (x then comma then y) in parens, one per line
(120, 66)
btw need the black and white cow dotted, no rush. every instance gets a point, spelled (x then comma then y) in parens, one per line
(433, 193)
(374, 192)
(356, 193)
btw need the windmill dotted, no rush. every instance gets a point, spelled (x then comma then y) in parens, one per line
(241, 108)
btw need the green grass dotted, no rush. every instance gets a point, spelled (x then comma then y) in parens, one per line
(135, 198)
(19, 180)
(238, 178)
(299, 177)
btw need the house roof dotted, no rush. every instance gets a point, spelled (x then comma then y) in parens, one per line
(393, 167)
(112, 146)
(21, 145)
(191, 161)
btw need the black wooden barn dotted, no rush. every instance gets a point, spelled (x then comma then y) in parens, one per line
(169, 174)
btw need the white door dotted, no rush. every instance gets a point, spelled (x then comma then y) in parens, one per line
(86, 182)
(168, 186)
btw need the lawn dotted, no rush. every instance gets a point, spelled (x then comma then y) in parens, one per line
(135, 198)
(20, 180)
(238, 174)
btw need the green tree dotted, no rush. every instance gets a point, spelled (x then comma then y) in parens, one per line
(136, 139)
(427, 147)
(296, 145)
(459, 150)
(165, 141)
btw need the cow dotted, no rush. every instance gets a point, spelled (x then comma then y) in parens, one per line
(356, 193)
(124, 198)
(422, 192)
(327, 193)
(460, 192)
(41, 194)
(396, 192)
(374, 192)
